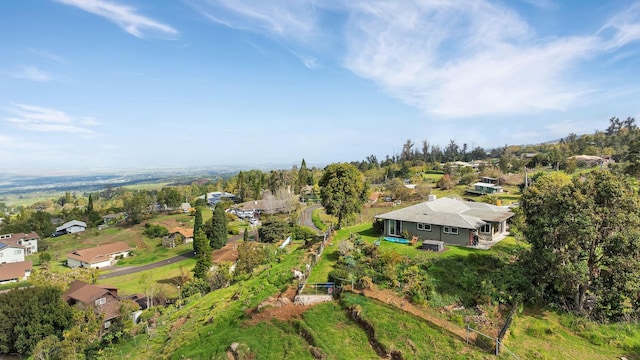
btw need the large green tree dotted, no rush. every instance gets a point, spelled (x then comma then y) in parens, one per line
(203, 255)
(197, 221)
(585, 243)
(217, 231)
(30, 315)
(343, 190)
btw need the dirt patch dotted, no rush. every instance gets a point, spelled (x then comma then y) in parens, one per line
(281, 308)
(229, 252)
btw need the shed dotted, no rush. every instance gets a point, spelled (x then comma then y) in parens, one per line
(433, 245)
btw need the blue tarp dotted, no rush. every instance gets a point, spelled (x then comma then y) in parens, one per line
(397, 240)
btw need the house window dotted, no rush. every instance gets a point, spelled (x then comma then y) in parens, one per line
(17, 252)
(107, 324)
(101, 301)
(395, 227)
(450, 230)
(486, 228)
(424, 227)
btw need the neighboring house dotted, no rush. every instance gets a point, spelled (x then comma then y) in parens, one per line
(28, 241)
(71, 227)
(103, 298)
(214, 197)
(185, 207)
(483, 188)
(112, 218)
(178, 235)
(11, 253)
(453, 221)
(99, 256)
(269, 206)
(16, 271)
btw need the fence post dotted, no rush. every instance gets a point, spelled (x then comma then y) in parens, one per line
(467, 334)
(497, 346)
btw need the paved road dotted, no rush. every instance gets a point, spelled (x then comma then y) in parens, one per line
(175, 259)
(306, 217)
(305, 220)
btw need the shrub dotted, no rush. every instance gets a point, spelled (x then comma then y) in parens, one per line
(154, 231)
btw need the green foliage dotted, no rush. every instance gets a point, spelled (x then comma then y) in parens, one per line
(584, 241)
(218, 230)
(273, 231)
(155, 231)
(251, 255)
(30, 315)
(44, 257)
(303, 233)
(203, 255)
(343, 190)
(197, 220)
(194, 286)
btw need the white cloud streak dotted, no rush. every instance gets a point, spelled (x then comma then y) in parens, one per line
(32, 73)
(36, 118)
(449, 58)
(48, 55)
(290, 19)
(124, 16)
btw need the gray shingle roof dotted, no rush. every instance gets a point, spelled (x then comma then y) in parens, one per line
(450, 212)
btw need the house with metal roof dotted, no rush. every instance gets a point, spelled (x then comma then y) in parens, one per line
(71, 227)
(98, 256)
(452, 221)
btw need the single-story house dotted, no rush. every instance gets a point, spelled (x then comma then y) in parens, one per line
(71, 227)
(99, 256)
(483, 188)
(11, 253)
(185, 207)
(269, 206)
(15, 271)
(28, 241)
(215, 197)
(178, 233)
(112, 218)
(104, 298)
(453, 221)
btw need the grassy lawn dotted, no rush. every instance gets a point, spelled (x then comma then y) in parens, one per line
(415, 338)
(166, 278)
(547, 335)
(146, 250)
(330, 255)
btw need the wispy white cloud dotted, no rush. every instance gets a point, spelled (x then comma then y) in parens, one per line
(624, 27)
(450, 58)
(36, 118)
(48, 55)
(308, 61)
(32, 73)
(124, 16)
(290, 19)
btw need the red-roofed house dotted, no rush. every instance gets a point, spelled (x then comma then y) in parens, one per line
(16, 271)
(99, 256)
(178, 235)
(103, 298)
(28, 241)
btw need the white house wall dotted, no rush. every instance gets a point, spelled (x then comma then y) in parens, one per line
(11, 255)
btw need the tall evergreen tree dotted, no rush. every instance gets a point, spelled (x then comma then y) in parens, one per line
(203, 255)
(197, 221)
(218, 236)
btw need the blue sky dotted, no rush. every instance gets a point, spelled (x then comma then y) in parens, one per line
(89, 84)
